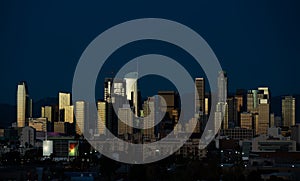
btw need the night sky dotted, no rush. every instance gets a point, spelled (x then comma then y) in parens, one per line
(257, 43)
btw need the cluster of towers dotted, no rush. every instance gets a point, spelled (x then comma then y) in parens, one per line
(122, 110)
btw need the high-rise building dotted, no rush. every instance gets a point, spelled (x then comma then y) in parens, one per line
(65, 108)
(80, 115)
(222, 86)
(258, 103)
(125, 115)
(263, 116)
(288, 111)
(171, 102)
(225, 122)
(107, 88)
(69, 114)
(232, 111)
(132, 90)
(111, 118)
(221, 106)
(101, 124)
(200, 100)
(21, 104)
(150, 112)
(114, 86)
(47, 112)
(252, 101)
(64, 100)
(246, 120)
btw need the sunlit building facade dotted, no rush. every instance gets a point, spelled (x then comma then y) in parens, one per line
(288, 111)
(21, 104)
(64, 100)
(80, 116)
(101, 123)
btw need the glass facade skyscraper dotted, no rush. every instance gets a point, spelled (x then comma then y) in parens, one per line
(21, 104)
(288, 111)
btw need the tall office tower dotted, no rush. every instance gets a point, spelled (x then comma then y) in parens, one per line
(114, 87)
(80, 115)
(199, 101)
(107, 88)
(232, 112)
(246, 120)
(21, 104)
(125, 114)
(171, 100)
(222, 86)
(263, 116)
(221, 107)
(101, 123)
(132, 90)
(252, 101)
(64, 101)
(225, 122)
(288, 111)
(149, 108)
(68, 114)
(258, 103)
(47, 112)
(111, 118)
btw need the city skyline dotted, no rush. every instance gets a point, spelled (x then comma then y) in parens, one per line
(136, 90)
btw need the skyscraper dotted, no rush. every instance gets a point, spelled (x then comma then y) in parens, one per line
(252, 101)
(114, 87)
(149, 108)
(125, 115)
(21, 104)
(232, 111)
(64, 100)
(101, 123)
(263, 116)
(222, 86)
(263, 98)
(80, 115)
(221, 106)
(47, 112)
(246, 120)
(171, 100)
(69, 114)
(132, 90)
(65, 108)
(288, 111)
(199, 101)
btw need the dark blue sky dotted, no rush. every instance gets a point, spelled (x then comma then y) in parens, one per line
(257, 43)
